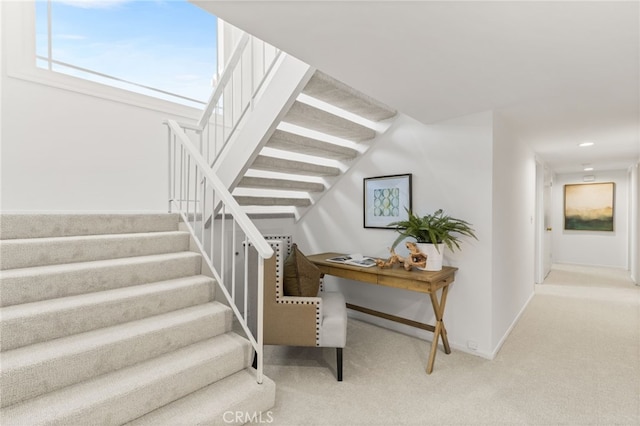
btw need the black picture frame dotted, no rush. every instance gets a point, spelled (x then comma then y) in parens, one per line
(385, 200)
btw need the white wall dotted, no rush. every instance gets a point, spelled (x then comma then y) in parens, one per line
(68, 151)
(608, 249)
(451, 164)
(514, 195)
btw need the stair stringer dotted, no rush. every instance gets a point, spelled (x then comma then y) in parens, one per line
(289, 77)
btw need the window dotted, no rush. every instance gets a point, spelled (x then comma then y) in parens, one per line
(165, 49)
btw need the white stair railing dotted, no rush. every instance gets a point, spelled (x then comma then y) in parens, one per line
(236, 90)
(193, 191)
(220, 228)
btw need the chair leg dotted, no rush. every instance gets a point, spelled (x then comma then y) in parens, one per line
(339, 363)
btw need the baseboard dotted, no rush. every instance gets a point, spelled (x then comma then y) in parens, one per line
(513, 324)
(463, 348)
(595, 265)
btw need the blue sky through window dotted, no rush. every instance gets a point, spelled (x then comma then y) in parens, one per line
(169, 45)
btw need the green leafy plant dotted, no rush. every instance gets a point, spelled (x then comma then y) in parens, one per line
(433, 228)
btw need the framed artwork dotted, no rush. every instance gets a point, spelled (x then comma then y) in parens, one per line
(589, 207)
(386, 199)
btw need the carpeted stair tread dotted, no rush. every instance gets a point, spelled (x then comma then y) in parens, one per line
(33, 370)
(129, 393)
(247, 200)
(312, 118)
(329, 90)
(292, 142)
(274, 164)
(217, 404)
(22, 253)
(283, 184)
(26, 285)
(17, 226)
(36, 322)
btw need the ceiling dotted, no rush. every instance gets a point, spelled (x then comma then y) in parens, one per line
(560, 73)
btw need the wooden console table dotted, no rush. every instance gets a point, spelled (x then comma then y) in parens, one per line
(397, 277)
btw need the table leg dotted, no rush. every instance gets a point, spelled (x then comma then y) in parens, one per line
(440, 331)
(443, 333)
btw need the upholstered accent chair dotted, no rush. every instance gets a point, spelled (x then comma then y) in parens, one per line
(319, 320)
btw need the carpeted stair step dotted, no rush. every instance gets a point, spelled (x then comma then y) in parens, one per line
(129, 393)
(244, 200)
(26, 285)
(292, 142)
(233, 400)
(17, 226)
(22, 253)
(312, 118)
(273, 164)
(283, 184)
(334, 92)
(34, 370)
(45, 320)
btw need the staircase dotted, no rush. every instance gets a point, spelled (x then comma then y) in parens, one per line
(327, 127)
(106, 319)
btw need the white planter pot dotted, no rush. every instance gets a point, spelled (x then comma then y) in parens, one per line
(434, 257)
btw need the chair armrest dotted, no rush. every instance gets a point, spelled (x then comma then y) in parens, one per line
(292, 321)
(293, 300)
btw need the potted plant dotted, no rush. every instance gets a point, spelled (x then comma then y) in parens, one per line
(432, 232)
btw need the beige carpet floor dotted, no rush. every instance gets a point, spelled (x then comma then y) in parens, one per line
(572, 359)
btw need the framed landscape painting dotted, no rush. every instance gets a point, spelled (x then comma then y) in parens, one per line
(589, 207)
(386, 199)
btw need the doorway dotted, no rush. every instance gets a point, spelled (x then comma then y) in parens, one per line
(544, 230)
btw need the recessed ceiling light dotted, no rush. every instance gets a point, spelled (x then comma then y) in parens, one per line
(588, 169)
(585, 144)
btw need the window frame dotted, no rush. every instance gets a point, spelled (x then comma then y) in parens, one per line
(19, 55)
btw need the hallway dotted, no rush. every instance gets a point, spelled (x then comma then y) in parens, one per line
(588, 276)
(590, 282)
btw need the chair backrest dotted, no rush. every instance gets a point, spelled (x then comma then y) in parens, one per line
(287, 242)
(281, 245)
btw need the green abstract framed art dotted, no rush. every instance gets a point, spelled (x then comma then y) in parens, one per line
(589, 207)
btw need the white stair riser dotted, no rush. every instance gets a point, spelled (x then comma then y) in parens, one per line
(50, 282)
(65, 225)
(41, 321)
(129, 393)
(237, 393)
(52, 251)
(38, 369)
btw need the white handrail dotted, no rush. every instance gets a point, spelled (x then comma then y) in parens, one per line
(263, 248)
